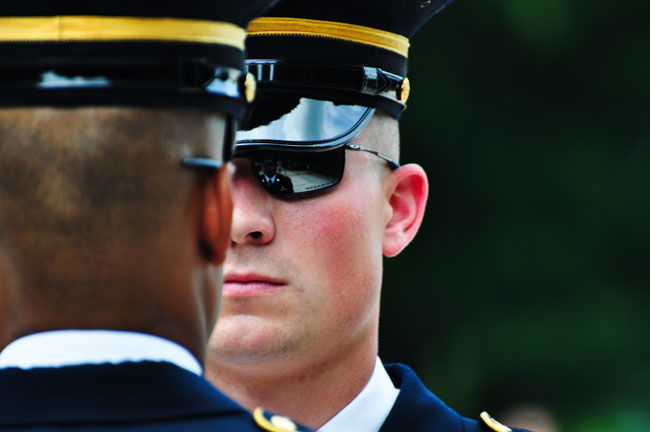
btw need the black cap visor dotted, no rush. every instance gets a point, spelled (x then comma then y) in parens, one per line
(288, 123)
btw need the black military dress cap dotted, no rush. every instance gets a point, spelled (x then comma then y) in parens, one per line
(323, 67)
(186, 53)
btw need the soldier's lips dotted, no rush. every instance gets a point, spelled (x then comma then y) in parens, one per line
(250, 285)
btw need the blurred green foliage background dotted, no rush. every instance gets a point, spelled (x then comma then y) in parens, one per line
(529, 280)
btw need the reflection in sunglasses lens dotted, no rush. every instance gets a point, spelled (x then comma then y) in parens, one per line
(284, 173)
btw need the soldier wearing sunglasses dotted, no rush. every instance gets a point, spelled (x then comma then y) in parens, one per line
(298, 328)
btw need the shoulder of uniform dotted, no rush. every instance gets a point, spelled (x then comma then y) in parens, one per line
(490, 424)
(273, 422)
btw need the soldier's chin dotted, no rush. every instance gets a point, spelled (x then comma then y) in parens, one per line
(248, 339)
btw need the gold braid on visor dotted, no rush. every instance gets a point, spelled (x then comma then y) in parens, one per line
(98, 28)
(274, 26)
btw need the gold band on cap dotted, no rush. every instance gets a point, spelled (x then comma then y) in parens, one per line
(274, 26)
(101, 28)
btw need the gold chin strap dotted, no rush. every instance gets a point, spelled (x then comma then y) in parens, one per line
(103, 28)
(272, 26)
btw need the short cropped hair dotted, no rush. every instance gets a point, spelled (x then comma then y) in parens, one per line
(87, 184)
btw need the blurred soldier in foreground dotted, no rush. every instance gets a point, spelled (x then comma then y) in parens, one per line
(299, 322)
(112, 234)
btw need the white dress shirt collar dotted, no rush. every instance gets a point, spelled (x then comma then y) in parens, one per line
(76, 347)
(368, 411)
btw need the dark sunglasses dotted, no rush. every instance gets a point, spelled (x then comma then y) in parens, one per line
(290, 173)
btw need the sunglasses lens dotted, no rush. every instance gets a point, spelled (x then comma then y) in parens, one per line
(291, 173)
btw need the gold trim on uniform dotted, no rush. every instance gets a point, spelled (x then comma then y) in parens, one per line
(275, 424)
(493, 424)
(104, 28)
(279, 26)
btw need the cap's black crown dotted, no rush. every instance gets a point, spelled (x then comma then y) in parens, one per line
(348, 51)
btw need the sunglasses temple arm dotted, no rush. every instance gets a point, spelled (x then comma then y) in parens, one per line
(391, 163)
(200, 162)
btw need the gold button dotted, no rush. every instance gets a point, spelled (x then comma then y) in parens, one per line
(283, 423)
(251, 87)
(493, 424)
(404, 90)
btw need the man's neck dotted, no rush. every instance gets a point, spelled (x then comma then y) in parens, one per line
(311, 394)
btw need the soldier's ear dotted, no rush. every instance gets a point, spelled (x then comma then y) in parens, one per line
(407, 191)
(217, 215)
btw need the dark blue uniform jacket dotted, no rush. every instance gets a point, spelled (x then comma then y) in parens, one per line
(137, 397)
(418, 410)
